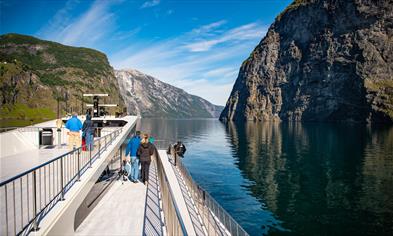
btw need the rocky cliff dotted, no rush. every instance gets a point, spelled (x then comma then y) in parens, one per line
(34, 73)
(149, 97)
(321, 60)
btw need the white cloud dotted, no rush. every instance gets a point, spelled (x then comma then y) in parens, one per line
(60, 20)
(203, 61)
(123, 35)
(244, 32)
(206, 29)
(150, 3)
(85, 30)
(223, 71)
(207, 73)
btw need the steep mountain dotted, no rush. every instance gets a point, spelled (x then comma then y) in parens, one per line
(35, 73)
(149, 97)
(321, 60)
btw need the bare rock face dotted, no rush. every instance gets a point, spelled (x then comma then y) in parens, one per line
(147, 96)
(321, 60)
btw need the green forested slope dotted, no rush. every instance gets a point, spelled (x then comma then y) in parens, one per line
(34, 73)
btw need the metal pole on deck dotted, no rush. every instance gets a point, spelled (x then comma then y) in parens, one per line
(99, 148)
(58, 137)
(120, 155)
(35, 224)
(58, 126)
(90, 155)
(79, 166)
(61, 179)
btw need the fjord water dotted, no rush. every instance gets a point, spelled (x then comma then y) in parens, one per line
(291, 179)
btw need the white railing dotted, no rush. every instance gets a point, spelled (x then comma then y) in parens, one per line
(26, 198)
(215, 218)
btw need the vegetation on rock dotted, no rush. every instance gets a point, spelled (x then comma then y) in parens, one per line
(37, 73)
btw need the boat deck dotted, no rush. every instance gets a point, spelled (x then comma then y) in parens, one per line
(69, 195)
(153, 224)
(134, 209)
(13, 165)
(119, 212)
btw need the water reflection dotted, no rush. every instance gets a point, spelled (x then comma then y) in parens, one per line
(210, 160)
(320, 179)
(174, 129)
(377, 172)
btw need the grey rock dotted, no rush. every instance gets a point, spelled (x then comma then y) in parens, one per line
(147, 96)
(321, 60)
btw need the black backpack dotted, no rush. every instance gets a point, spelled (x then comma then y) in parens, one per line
(180, 149)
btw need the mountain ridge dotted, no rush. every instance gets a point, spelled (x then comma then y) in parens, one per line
(143, 92)
(35, 73)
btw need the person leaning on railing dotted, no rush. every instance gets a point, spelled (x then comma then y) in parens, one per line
(179, 150)
(74, 125)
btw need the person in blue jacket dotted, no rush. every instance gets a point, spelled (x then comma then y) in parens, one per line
(75, 126)
(131, 150)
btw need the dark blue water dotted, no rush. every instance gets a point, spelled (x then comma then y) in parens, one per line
(292, 179)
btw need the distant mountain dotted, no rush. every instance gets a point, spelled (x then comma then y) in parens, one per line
(321, 60)
(149, 97)
(34, 73)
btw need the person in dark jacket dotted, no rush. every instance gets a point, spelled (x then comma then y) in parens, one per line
(179, 149)
(88, 132)
(145, 151)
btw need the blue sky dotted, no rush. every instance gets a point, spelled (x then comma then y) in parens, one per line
(195, 45)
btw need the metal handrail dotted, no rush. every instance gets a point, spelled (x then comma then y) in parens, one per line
(215, 210)
(39, 128)
(216, 219)
(43, 127)
(50, 161)
(28, 202)
(59, 134)
(173, 221)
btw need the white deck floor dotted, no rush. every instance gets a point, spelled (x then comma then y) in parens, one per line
(119, 212)
(122, 211)
(16, 164)
(134, 210)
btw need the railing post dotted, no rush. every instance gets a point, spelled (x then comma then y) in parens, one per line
(62, 179)
(58, 137)
(90, 156)
(99, 148)
(120, 159)
(79, 165)
(208, 220)
(35, 223)
(230, 226)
